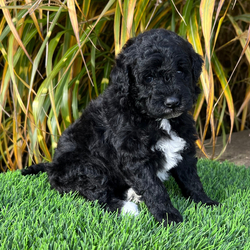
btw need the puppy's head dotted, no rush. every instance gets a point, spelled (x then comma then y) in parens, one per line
(158, 72)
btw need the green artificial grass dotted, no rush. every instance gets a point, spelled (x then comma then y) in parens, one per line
(32, 216)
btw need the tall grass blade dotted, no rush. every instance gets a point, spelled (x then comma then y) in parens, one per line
(33, 16)
(13, 29)
(244, 42)
(74, 23)
(219, 71)
(130, 19)
(85, 8)
(11, 53)
(38, 104)
(206, 15)
(117, 30)
(124, 30)
(218, 12)
(140, 11)
(186, 14)
(220, 21)
(244, 108)
(227, 92)
(245, 102)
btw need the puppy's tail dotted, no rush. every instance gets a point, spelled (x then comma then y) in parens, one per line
(35, 169)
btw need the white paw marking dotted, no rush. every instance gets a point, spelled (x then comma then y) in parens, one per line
(130, 208)
(171, 148)
(132, 196)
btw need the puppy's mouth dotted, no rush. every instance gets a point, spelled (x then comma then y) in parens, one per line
(173, 112)
(173, 115)
(168, 114)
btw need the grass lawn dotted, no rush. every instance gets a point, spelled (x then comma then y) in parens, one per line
(32, 216)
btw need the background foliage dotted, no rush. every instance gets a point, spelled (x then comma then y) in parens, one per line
(56, 56)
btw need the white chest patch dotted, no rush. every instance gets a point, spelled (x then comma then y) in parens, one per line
(171, 148)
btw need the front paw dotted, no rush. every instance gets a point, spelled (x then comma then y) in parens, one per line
(173, 217)
(204, 199)
(170, 216)
(211, 203)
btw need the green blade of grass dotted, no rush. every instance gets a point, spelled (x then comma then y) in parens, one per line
(186, 14)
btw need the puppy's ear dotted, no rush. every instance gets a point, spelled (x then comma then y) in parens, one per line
(121, 72)
(197, 63)
(119, 80)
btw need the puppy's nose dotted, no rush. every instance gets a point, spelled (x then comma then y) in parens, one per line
(172, 102)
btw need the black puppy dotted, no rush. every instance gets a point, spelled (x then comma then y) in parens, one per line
(128, 140)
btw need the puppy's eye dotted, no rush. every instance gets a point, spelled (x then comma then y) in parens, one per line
(179, 72)
(148, 79)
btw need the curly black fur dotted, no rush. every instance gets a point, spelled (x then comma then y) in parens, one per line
(137, 132)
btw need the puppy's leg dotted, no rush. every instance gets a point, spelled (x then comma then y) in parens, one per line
(188, 180)
(111, 203)
(143, 180)
(92, 183)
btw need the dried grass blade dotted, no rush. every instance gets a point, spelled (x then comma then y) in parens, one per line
(227, 92)
(201, 147)
(33, 16)
(194, 38)
(209, 111)
(225, 87)
(244, 44)
(245, 109)
(74, 23)
(152, 14)
(218, 12)
(206, 14)
(245, 102)
(220, 21)
(178, 12)
(198, 106)
(108, 13)
(4, 89)
(2, 23)
(14, 31)
(73, 19)
(117, 30)
(222, 113)
(208, 88)
(131, 9)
